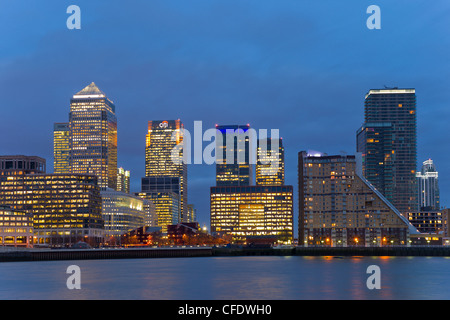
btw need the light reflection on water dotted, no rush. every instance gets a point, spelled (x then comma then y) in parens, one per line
(229, 278)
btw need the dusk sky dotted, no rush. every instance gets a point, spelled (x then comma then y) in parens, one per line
(299, 66)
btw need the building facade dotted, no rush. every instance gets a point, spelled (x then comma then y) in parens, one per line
(233, 155)
(66, 208)
(388, 143)
(123, 180)
(151, 218)
(165, 168)
(243, 212)
(93, 136)
(339, 207)
(61, 148)
(19, 165)
(192, 213)
(121, 212)
(16, 228)
(166, 206)
(428, 187)
(428, 221)
(246, 212)
(270, 162)
(446, 214)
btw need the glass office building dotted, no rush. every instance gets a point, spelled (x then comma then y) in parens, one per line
(249, 212)
(123, 180)
(270, 162)
(66, 208)
(240, 211)
(233, 155)
(388, 143)
(428, 187)
(121, 212)
(61, 148)
(166, 171)
(93, 136)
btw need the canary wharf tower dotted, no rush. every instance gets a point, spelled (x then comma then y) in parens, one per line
(93, 136)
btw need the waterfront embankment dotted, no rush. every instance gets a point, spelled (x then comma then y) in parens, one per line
(174, 252)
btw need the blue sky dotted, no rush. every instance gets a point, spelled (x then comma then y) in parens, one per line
(302, 67)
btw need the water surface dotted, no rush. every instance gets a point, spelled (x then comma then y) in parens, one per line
(230, 278)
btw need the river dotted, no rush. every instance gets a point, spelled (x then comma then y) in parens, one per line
(229, 278)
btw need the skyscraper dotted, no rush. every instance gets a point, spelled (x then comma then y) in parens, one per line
(61, 148)
(123, 180)
(233, 155)
(240, 210)
(270, 162)
(192, 213)
(165, 181)
(339, 207)
(428, 187)
(93, 136)
(388, 143)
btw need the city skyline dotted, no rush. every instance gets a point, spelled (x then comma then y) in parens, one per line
(277, 74)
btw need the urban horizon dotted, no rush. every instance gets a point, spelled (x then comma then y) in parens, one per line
(199, 147)
(285, 66)
(184, 151)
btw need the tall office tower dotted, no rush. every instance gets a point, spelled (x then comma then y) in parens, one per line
(270, 162)
(428, 187)
(20, 165)
(93, 136)
(233, 155)
(123, 180)
(165, 170)
(239, 210)
(339, 207)
(61, 148)
(388, 143)
(66, 208)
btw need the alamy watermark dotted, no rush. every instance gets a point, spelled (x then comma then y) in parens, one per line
(74, 280)
(226, 145)
(374, 21)
(74, 20)
(374, 280)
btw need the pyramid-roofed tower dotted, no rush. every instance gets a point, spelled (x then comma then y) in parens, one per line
(90, 89)
(93, 136)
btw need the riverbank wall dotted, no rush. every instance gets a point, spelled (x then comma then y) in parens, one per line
(95, 254)
(440, 251)
(177, 252)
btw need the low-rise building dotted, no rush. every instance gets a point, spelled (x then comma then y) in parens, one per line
(16, 228)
